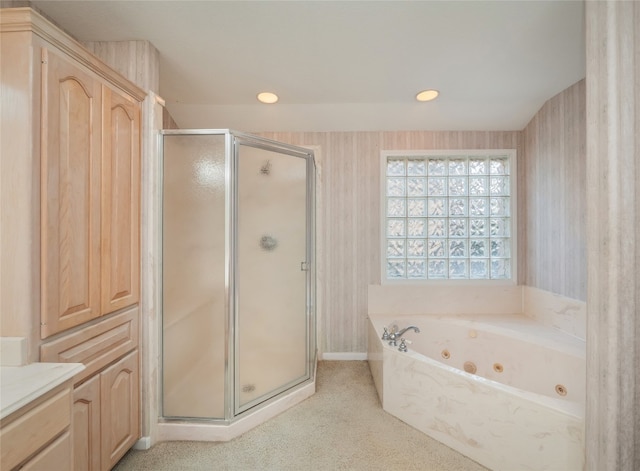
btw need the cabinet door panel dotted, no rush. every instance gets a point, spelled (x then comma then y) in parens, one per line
(121, 201)
(120, 405)
(86, 426)
(70, 213)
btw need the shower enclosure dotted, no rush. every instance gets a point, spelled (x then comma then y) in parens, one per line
(238, 272)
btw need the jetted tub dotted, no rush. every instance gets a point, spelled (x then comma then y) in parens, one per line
(503, 390)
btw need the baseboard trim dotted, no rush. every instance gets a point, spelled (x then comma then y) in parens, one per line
(344, 356)
(143, 444)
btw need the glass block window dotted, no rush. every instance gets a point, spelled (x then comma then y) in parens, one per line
(448, 217)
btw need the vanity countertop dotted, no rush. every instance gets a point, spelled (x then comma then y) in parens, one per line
(19, 385)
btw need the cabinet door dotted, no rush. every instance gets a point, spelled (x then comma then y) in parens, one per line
(70, 195)
(120, 201)
(120, 405)
(86, 426)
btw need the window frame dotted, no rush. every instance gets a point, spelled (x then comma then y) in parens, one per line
(513, 228)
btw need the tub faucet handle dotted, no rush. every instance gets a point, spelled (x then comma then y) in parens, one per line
(403, 345)
(385, 334)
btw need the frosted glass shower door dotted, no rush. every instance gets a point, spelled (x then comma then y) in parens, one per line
(271, 277)
(193, 270)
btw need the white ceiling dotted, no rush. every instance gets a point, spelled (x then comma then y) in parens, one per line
(347, 65)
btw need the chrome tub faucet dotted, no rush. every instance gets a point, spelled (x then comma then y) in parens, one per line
(393, 335)
(411, 327)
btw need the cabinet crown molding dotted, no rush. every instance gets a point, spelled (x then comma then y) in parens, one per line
(26, 19)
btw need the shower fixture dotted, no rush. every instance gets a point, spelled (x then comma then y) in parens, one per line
(268, 243)
(266, 168)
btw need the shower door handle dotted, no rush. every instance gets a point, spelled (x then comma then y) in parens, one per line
(304, 266)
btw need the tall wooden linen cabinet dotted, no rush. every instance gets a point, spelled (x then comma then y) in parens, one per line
(78, 123)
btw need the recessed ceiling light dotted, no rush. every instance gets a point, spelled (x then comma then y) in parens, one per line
(427, 95)
(267, 97)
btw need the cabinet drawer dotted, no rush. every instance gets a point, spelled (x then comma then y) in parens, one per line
(32, 429)
(96, 345)
(56, 456)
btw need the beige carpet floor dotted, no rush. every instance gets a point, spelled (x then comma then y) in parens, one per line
(341, 427)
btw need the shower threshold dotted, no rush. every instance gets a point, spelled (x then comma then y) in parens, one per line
(219, 431)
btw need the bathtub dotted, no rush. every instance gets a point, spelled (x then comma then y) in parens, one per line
(503, 390)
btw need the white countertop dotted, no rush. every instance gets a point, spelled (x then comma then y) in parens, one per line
(19, 385)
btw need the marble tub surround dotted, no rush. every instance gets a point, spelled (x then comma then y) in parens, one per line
(19, 385)
(518, 425)
(547, 308)
(566, 314)
(441, 298)
(497, 429)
